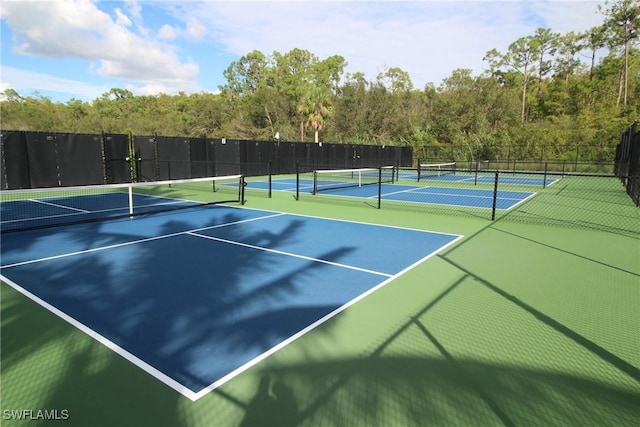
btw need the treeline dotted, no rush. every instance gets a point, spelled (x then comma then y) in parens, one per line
(548, 95)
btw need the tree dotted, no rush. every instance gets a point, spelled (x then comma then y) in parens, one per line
(520, 58)
(566, 63)
(544, 44)
(594, 40)
(245, 75)
(621, 27)
(395, 80)
(315, 108)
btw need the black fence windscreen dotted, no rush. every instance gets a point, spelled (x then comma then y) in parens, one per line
(42, 152)
(198, 158)
(227, 156)
(174, 159)
(117, 168)
(42, 159)
(633, 180)
(80, 159)
(146, 158)
(15, 162)
(627, 165)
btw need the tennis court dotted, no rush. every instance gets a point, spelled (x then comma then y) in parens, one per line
(195, 312)
(195, 297)
(419, 194)
(448, 172)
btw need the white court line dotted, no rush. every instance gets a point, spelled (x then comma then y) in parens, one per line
(193, 396)
(134, 242)
(409, 190)
(58, 206)
(520, 202)
(315, 324)
(124, 209)
(275, 251)
(105, 341)
(417, 190)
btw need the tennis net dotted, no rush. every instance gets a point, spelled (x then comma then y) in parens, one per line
(48, 207)
(332, 179)
(432, 170)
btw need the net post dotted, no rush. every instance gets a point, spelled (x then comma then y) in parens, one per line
(396, 172)
(418, 169)
(130, 189)
(315, 182)
(475, 181)
(495, 197)
(380, 186)
(269, 172)
(297, 181)
(241, 190)
(544, 179)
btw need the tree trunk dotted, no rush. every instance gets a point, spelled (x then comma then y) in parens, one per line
(620, 88)
(626, 66)
(524, 99)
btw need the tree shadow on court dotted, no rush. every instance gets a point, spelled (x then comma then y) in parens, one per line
(132, 298)
(273, 404)
(419, 376)
(48, 365)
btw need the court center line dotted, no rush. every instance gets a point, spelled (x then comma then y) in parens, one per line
(58, 206)
(275, 251)
(134, 242)
(122, 209)
(417, 191)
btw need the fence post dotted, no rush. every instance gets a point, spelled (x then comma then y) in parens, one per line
(495, 197)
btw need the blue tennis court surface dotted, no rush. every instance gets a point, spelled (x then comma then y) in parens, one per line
(196, 297)
(67, 209)
(449, 196)
(484, 178)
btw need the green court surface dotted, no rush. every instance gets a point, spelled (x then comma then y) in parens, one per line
(533, 319)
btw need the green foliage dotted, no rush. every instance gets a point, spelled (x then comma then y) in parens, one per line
(544, 98)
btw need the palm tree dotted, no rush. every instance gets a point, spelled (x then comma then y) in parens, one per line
(314, 110)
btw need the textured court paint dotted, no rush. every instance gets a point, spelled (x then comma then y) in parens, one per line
(461, 339)
(59, 241)
(445, 196)
(197, 305)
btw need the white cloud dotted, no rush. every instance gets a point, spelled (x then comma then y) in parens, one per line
(26, 82)
(195, 29)
(122, 19)
(78, 29)
(428, 39)
(167, 32)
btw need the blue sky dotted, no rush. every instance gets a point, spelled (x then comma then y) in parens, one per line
(81, 49)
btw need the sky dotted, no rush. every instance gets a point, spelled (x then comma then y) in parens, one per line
(80, 49)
